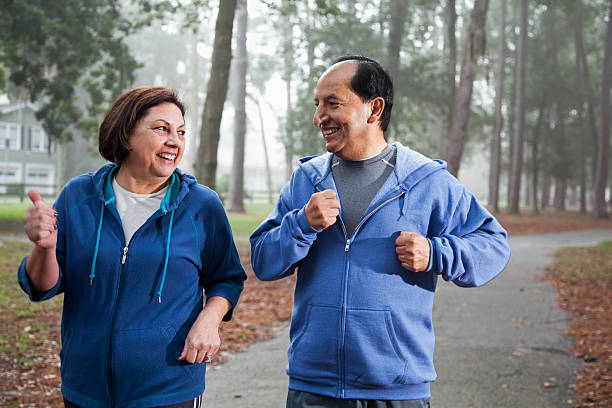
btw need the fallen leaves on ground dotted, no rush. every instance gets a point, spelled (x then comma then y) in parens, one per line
(30, 377)
(583, 279)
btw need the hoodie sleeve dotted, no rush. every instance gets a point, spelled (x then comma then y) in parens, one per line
(473, 248)
(283, 239)
(223, 272)
(60, 254)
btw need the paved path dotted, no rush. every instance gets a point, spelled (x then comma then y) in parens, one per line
(495, 345)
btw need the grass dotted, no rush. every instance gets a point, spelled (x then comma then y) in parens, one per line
(578, 263)
(11, 217)
(20, 318)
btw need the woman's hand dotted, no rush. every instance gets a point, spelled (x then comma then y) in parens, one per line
(40, 225)
(203, 340)
(40, 222)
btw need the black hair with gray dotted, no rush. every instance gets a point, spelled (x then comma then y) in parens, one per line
(371, 81)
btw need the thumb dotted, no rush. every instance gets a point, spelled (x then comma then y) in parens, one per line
(34, 196)
(183, 355)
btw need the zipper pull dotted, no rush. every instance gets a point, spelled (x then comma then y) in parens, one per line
(348, 243)
(124, 255)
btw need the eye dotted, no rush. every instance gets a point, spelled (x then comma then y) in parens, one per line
(181, 132)
(161, 128)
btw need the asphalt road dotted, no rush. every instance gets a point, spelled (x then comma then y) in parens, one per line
(496, 346)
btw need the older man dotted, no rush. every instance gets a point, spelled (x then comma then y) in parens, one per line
(370, 226)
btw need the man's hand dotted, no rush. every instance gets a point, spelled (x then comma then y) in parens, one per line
(40, 222)
(322, 209)
(412, 251)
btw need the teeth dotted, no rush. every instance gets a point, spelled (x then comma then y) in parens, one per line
(327, 132)
(168, 156)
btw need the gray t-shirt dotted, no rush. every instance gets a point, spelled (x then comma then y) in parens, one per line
(359, 181)
(134, 209)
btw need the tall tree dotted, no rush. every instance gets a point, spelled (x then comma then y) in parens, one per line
(603, 150)
(49, 49)
(495, 162)
(240, 63)
(399, 11)
(519, 129)
(579, 51)
(216, 91)
(449, 71)
(473, 50)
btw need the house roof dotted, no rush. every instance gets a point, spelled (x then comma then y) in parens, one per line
(4, 109)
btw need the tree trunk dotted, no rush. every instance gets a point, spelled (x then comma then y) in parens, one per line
(449, 71)
(517, 156)
(586, 81)
(216, 91)
(474, 48)
(560, 193)
(495, 164)
(188, 161)
(535, 153)
(240, 63)
(603, 148)
(578, 47)
(266, 158)
(546, 183)
(399, 10)
(288, 69)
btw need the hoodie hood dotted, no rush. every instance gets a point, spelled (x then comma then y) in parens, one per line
(413, 167)
(178, 189)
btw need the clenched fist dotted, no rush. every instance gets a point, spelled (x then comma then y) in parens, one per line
(40, 222)
(412, 251)
(322, 209)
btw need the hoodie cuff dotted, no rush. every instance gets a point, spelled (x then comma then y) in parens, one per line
(431, 256)
(24, 282)
(227, 291)
(304, 224)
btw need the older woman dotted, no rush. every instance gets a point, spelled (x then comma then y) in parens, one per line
(132, 247)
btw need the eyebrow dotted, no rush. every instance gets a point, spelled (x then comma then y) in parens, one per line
(166, 122)
(332, 96)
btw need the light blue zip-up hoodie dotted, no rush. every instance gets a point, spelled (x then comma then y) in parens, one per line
(128, 309)
(362, 324)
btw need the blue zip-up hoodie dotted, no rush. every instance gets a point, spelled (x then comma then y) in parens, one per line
(362, 324)
(128, 309)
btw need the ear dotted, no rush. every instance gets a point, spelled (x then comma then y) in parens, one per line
(377, 105)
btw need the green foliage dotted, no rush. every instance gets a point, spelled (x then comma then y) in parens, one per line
(49, 48)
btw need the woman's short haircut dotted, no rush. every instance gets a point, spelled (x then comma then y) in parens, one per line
(372, 81)
(124, 114)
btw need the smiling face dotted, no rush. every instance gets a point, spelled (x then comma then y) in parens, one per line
(156, 147)
(341, 115)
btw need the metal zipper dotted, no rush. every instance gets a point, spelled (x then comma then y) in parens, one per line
(109, 367)
(343, 310)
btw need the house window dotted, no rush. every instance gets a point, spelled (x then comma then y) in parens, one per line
(38, 141)
(10, 136)
(40, 177)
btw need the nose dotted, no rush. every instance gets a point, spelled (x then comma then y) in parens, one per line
(173, 138)
(319, 116)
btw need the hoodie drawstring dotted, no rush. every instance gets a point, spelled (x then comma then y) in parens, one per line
(163, 279)
(92, 275)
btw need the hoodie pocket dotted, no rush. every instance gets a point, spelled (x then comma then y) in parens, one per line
(313, 352)
(145, 364)
(83, 362)
(373, 357)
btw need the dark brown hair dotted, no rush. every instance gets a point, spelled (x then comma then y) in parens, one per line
(124, 114)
